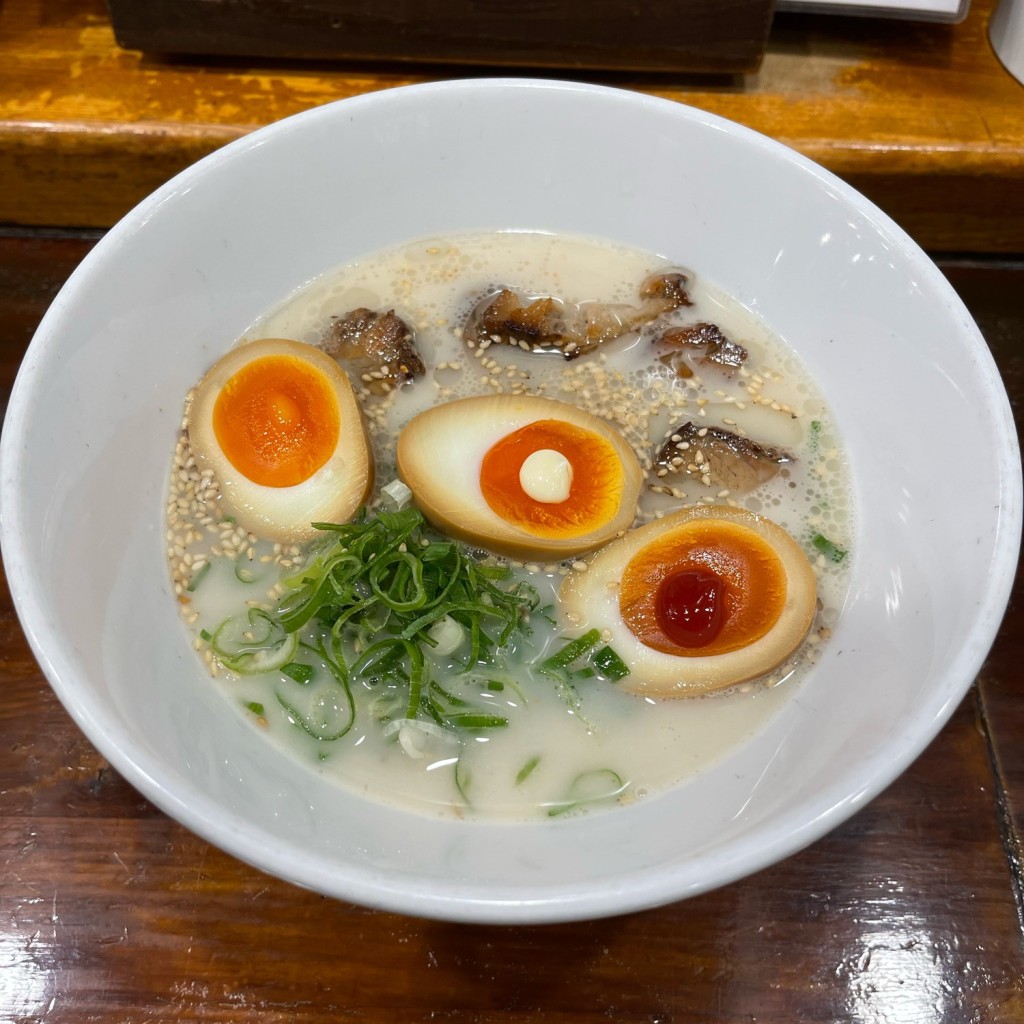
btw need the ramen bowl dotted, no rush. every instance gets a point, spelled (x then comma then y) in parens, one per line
(97, 404)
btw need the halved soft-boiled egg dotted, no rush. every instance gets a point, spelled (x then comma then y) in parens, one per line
(278, 424)
(528, 477)
(705, 598)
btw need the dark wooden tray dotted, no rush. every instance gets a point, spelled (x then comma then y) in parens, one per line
(673, 35)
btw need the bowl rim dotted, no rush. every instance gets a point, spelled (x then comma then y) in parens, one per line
(134, 764)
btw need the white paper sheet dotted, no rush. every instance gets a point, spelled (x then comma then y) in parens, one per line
(924, 10)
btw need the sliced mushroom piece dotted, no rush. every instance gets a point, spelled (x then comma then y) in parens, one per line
(378, 346)
(714, 347)
(549, 324)
(718, 458)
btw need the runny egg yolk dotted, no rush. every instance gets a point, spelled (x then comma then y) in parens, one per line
(703, 589)
(595, 479)
(277, 420)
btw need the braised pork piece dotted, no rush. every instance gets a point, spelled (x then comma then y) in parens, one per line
(380, 347)
(718, 458)
(549, 324)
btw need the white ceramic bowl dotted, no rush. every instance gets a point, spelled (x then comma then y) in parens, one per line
(97, 403)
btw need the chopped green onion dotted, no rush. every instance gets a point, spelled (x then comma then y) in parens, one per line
(339, 671)
(609, 664)
(560, 665)
(256, 708)
(417, 673)
(298, 671)
(244, 570)
(546, 614)
(414, 735)
(395, 496)
(454, 701)
(589, 788)
(471, 720)
(323, 720)
(527, 770)
(445, 636)
(462, 780)
(829, 549)
(382, 587)
(199, 576)
(382, 565)
(572, 651)
(253, 643)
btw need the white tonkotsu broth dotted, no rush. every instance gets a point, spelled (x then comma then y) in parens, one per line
(613, 745)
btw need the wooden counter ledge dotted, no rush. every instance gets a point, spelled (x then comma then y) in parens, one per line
(920, 117)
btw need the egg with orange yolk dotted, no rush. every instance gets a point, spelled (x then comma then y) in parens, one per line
(700, 600)
(531, 478)
(278, 424)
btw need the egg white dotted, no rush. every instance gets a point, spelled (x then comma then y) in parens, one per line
(590, 599)
(332, 494)
(440, 453)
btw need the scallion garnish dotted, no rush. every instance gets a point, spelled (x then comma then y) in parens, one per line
(323, 721)
(589, 788)
(828, 548)
(570, 652)
(245, 571)
(451, 698)
(462, 780)
(383, 566)
(471, 720)
(199, 576)
(385, 602)
(527, 770)
(382, 587)
(609, 664)
(253, 643)
(604, 660)
(298, 671)
(814, 435)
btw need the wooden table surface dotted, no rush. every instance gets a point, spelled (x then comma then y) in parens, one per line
(920, 117)
(910, 913)
(913, 911)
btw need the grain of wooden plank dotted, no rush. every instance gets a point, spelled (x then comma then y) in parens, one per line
(904, 909)
(992, 296)
(922, 118)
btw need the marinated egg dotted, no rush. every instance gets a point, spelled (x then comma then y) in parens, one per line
(278, 424)
(703, 599)
(527, 477)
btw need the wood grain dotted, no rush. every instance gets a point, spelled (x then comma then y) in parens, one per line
(921, 117)
(990, 295)
(112, 913)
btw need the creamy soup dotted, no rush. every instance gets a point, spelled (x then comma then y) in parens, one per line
(525, 742)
